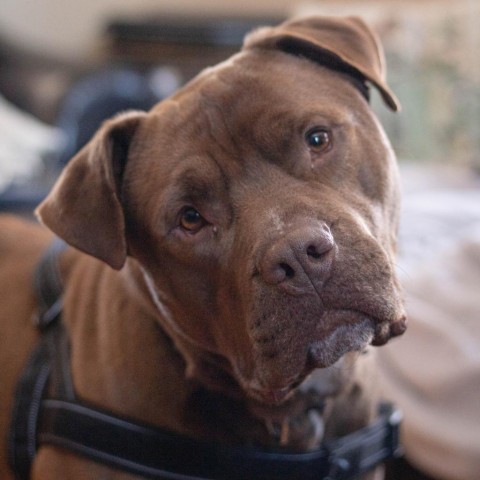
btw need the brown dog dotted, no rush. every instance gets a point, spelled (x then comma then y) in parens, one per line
(244, 233)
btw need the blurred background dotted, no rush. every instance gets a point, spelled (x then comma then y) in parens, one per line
(65, 66)
(50, 48)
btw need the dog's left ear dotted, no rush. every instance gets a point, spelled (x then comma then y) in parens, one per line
(341, 43)
(84, 207)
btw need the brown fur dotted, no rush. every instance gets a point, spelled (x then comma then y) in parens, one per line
(215, 309)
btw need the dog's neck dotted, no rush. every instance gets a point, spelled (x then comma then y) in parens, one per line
(138, 371)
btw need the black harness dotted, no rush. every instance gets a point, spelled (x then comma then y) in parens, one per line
(48, 412)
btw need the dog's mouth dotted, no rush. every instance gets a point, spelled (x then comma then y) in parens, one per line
(276, 373)
(385, 330)
(337, 333)
(275, 396)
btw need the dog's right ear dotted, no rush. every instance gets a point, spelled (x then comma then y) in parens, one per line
(342, 43)
(84, 207)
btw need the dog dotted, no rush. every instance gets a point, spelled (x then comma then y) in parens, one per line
(233, 252)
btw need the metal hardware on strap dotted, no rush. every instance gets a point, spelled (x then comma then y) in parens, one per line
(361, 451)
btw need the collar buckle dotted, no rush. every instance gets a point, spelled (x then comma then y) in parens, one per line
(361, 451)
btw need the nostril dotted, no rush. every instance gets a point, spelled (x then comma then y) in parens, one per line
(313, 252)
(318, 250)
(289, 271)
(321, 244)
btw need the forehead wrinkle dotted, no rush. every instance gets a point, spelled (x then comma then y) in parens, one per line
(197, 182)
(225, 146)
(218, 125)
(245, 130)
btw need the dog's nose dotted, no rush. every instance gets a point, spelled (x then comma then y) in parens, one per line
(300, 260)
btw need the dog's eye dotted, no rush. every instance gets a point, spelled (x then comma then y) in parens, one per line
(318, 140)
(191, 220)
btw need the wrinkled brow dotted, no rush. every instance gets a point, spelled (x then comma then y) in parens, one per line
(199, 185)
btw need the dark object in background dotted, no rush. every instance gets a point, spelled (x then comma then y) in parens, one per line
(102, 95)
(188, 44)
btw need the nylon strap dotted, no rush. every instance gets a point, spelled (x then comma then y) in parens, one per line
(159, 454)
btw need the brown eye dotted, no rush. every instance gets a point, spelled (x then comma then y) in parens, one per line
(319, 140)
(191, 220)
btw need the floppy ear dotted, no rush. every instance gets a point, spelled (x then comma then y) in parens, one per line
(345, 44)
(84, 207)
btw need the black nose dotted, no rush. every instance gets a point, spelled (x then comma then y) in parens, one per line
(301, 260)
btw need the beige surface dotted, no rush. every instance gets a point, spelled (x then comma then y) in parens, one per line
(433, 372)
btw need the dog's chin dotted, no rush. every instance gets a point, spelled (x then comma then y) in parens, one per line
(297, 423)
(341, 332)
(351, 337)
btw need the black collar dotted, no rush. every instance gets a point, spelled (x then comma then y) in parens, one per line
(125, 444)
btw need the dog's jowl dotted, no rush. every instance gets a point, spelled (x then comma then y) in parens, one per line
(231, 255)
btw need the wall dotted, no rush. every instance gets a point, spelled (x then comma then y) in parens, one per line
(71, 28)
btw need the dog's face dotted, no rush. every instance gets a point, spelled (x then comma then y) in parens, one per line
(261, 203)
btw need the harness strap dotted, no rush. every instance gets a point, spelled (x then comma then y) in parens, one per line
(36, 376)
(159, 454)
(28, 397)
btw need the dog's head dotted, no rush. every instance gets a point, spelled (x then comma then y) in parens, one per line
(260, 201)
